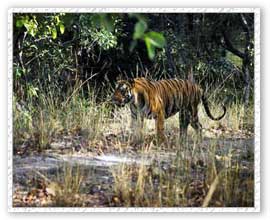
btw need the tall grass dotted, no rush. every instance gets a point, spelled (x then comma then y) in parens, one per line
(186, 181)
(48, 117)
(204, 174)
(198, 174)
(67, 187)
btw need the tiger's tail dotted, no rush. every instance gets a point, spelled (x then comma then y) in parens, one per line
(206, 107)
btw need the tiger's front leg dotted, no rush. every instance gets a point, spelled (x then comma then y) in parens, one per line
(136, 127)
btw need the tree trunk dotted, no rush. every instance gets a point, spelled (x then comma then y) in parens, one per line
(246, 60)
(190, 74)
(243, 55)
(245, 69)
(192, 50)
(171, 68)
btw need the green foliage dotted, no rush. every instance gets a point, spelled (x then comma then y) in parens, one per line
(152, 39)
(47, 43)
(62, 28)
(156, 39)
(104, 20)
(150, 48)
(105, 39)
(43, 26)
(97, 29)
(54, 50)
(140, 28)
(30, 24)
(32, 91)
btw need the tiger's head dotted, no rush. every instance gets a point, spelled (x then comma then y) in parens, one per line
(123, 92)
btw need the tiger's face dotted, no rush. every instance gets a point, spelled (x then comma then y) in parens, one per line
(122, 94)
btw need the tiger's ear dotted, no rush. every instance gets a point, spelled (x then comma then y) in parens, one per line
(131, 82)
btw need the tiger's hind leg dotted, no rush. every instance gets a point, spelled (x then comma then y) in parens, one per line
(196, 125)
(161, 138)
(184, 120)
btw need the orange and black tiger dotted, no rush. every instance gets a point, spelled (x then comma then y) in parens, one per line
(161, 99)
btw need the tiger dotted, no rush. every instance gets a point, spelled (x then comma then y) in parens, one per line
(162, 99)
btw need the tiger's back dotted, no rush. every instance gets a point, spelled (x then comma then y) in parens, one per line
(170, 95)
(177, 94)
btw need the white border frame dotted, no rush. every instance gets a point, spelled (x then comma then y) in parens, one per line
(256, 12)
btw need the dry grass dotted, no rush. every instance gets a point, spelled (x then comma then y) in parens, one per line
(212, 173)
(204, 174)
(67, 188)
(202, 179)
